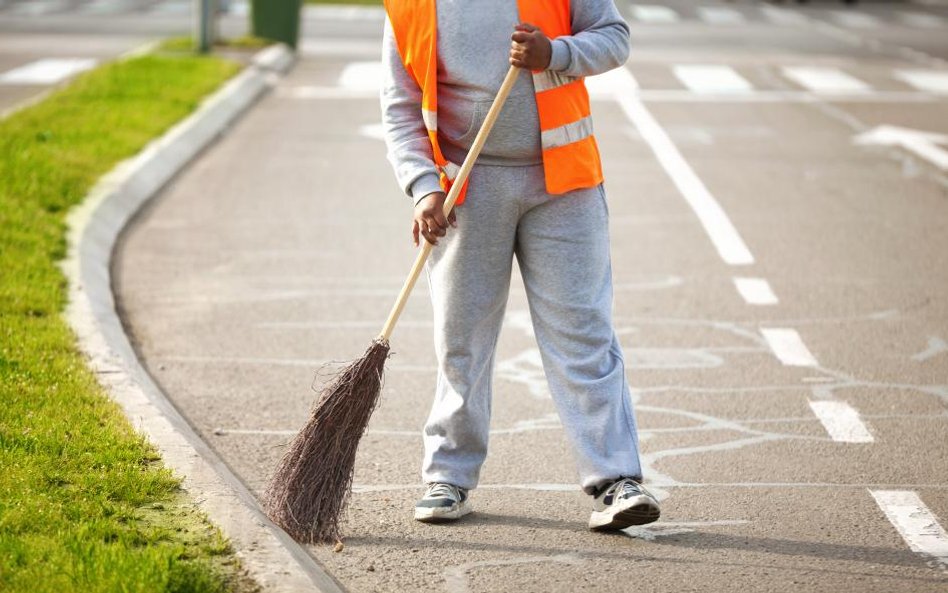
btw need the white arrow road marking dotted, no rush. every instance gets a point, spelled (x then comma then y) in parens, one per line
(620, 85)
(46, 71)
(932, 81)
(711, 78)
(917, 525)
(788, 346)
(841, 421)
(920, 143)
(756, 291)
(820, 79)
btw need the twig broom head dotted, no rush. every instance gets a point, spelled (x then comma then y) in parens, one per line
(311, 486)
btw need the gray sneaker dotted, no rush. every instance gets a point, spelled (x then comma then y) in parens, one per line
(442, 502)
(623, 503)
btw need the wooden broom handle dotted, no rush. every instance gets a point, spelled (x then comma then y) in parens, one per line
(456, 186)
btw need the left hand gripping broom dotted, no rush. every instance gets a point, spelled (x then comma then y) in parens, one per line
(312, 483)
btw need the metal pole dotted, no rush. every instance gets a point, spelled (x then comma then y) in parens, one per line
(202, 25)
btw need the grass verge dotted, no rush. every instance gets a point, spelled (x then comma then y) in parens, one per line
(84, 503)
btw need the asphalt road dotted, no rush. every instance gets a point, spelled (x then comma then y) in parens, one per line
(779, 207)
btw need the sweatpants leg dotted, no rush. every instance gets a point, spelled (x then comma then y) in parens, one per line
(562, 249)
(469, 279)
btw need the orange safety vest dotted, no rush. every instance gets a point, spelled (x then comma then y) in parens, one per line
(570, 155)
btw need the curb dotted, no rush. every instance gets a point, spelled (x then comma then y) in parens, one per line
(276, 562)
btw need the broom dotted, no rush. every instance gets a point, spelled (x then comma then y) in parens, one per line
(312, 483)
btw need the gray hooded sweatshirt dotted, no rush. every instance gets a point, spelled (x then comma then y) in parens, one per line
(473, 50)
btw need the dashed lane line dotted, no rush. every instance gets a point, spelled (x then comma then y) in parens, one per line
(917, 525)
(711, 78)
(755, 291)
(841, 421)
(821, 79)
(788, 346)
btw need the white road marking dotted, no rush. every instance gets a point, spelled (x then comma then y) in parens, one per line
(46, 71)
(667, 528)
(917, 525)
(374, 131)
(362, 76)
(650, 13)
(784, 16)
(825, 80)
(920, 143)
(756, 291)
(341, 12)
(38, 7)
(922, 20)
(711, 78)
(932, 81)
(855, 20)
(172, 7)
(717, 15)
(935, 347)
(788, 346)
(841, 421)
(622, 87)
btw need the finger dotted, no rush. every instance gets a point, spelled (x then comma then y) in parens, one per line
(441, 221)
(521, 37)
(434, 229)
(517, 63)
(526, 27)
(453, 219)
(429, 237)
(517, 54)
(414, 232)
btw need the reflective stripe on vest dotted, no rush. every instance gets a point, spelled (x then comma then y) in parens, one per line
(570, 155)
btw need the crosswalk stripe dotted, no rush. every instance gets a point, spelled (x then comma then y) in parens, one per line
(932, 81)
(841, 421)
(824, 80)
(716, 15)
(361, 76)
(46, 71)
(784, 16)
(756, 291)
(651, 13)
(702, 78)
(917, 525)
(855, 20)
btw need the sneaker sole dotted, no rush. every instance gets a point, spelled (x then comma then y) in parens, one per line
(435, 515)
(638, 514)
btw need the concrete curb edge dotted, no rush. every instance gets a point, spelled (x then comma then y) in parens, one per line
(276, 562)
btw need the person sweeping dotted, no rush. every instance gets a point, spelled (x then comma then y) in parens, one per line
(536, 194)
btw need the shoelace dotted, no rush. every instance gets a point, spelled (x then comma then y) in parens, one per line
(626, 487)
(441, 491)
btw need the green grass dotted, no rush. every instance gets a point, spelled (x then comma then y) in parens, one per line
(187, 44)
(85, 504)
(366, 2)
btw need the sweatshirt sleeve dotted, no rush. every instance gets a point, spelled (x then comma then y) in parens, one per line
(599, 43)
(406, 138)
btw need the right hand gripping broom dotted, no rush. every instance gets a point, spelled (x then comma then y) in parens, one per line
(312, 483)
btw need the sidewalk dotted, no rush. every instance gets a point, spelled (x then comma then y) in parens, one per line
(283, 247)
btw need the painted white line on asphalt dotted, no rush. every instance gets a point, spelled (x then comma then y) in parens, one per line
(38, 7)
(932, 81)
(935, 347)
(756, 291)
(923, 144)
(841, 421)
(622, 87)
(341, 12)
(855, 20)
(711, 78)
(46, 71)
(362, 76)
(716, 15)
(825, 80)
(650, 13)
(917, 525)
(784, 16)
(788, 346)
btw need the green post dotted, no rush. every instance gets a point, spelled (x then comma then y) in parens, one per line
(278, 20)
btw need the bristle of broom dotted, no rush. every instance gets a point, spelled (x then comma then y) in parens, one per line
(309, 491)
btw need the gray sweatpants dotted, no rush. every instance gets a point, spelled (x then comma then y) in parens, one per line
(562, 248)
